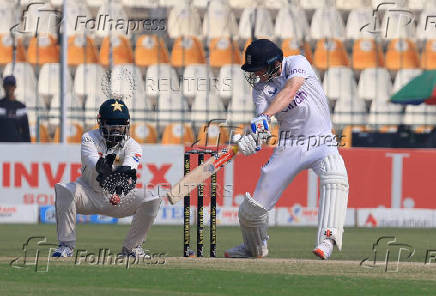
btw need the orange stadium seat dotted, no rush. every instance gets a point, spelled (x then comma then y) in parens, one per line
(81, 50)
(121, 51)
(43, 49)
(186, 51)
(329, 53)
(347, 133)
(150, 49)
(44, 136)
(401, 54)
(224, 51)
(74, 133)
(175, 134)
(293, 47)
(428, 56)
(212, 135)
(366, 54)
(6, 51)
(143, 132)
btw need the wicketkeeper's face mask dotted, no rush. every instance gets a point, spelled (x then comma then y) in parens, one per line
(114, 134)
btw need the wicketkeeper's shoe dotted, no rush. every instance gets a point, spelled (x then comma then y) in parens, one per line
(324, 249)
(136, 252)
(241, 251)
(63, 251)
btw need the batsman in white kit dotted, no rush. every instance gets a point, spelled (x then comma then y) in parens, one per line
(289, 89)
(107, 184)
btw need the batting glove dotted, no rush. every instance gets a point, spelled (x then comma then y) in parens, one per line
(260, 124)
(247, 144)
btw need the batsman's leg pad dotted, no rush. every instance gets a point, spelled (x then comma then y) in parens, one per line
(141, 223)
(66, 213)
(333, 198)
(253, 219)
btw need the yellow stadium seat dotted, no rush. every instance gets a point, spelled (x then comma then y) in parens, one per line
(74, 133)
(186, 51)
(121, 51)
(291, 47)
(43, 49)
(44, 136)
(224, 51)
(428, 56)
(143, 133)
(347, 133)
(81, 50)
(212, 135)
(401, 54)
(366, 54)
(6, 51)
(150, 49)
(175, 134)
(329, 53)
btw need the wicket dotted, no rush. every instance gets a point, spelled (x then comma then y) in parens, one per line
(200, 198)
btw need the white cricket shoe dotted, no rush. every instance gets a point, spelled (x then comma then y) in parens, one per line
(63, 251)
(324, 249)
(136, 252)
(241, 251)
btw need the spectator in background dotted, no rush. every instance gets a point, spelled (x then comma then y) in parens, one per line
(14, 124)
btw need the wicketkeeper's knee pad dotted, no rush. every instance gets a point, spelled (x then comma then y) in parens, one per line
(253, 218)
(333, 199)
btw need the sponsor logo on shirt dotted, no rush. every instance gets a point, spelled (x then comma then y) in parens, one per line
(301, 71)
(300, 97)
(137, 157)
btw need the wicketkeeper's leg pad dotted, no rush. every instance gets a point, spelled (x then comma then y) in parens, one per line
(141, 223)
(333, 198)
(253, 219)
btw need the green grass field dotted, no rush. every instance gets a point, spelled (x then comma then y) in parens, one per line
(291, 269)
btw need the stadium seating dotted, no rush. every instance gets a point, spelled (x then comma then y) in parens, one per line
(150, 49)
(384, 112)
(264, 27)
(313, 4)
(287, 28)
(121, 50)
(7, 19)
(428, 56)
(360, 24)
(231, 83)
(207, 106)
(395, 25)
(26, 83)
(375, 85)
(184, 21)
(367, 54)
(6, 50)
(197, 78)
(49, 84)
(403, 77)
(349, 5)
(327, 23)
(161, 79)
(339, 84)
(40, 18)
(176, 134)
(34, 129)
(212, 135)
(350, 111)
(421, 114)
(223, 51)
(241, 109)
(110, 10)
(219, 21)
(81, 50)
(143, 132)
(426, 28)
(43, 49)
(172, 108)
(401, 54)
(293, 47)
(74, 133)
(329, 53)
(186, 51)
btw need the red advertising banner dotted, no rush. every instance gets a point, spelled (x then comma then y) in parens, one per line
(397, 178)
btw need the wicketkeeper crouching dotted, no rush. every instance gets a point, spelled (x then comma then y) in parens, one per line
(107, 185)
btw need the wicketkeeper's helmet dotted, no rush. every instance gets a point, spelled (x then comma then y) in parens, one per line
(262, 54)
(114, 122)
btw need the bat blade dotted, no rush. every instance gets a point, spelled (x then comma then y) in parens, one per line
(201, 173)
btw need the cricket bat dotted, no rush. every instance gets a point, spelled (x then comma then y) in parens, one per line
(201, 173)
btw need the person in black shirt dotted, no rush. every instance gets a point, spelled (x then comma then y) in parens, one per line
(13, 115)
